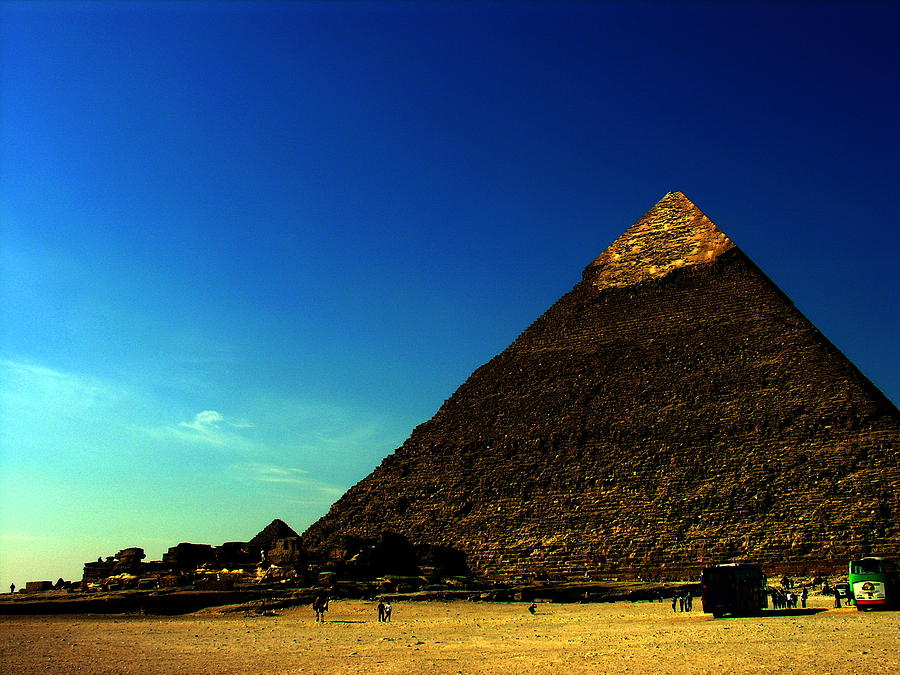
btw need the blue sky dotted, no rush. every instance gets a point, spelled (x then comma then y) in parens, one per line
(247, 247)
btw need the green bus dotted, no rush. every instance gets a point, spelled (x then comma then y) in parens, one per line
(875, 583)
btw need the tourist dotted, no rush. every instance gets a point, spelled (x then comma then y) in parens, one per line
(803, 596)
(320, 606)
(837, 599)
(381, 610)
(387, 610)
(674, 603)
(12, 588)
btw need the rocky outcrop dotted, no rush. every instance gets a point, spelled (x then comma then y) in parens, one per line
(673, 410)
(180, 562)
(126, 561)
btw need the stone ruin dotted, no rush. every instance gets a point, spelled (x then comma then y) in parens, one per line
(203, 565)
(127, 561)
(275, 555)
(672, 411)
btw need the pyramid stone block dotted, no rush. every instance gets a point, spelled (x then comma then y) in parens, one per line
(674, 409)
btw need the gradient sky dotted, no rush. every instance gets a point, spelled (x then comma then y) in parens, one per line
(247, 247)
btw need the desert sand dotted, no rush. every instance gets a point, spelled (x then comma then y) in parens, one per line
(458, 637)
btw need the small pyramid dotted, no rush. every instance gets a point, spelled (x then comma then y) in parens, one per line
(673, 410)
(275, 530)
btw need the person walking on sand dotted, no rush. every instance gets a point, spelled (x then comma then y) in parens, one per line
(12, 588)
(387, 610)
(804, 594)
(381, 610)
(674, 603)
(320, 606)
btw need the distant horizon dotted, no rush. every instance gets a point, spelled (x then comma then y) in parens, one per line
(248, 247)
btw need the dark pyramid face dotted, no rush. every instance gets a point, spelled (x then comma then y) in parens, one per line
(275, 530)
(673, 410)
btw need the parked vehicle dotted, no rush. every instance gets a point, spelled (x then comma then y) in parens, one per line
(875, 583)
(739, 590)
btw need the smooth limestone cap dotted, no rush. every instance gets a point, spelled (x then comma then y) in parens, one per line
(673, 234)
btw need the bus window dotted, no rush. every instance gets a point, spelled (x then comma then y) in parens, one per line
(866, 567)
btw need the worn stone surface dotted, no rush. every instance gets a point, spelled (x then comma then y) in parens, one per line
(277, 543)
(673, 410)
(270, 534)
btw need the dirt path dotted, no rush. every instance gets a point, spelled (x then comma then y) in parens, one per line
(457, 637)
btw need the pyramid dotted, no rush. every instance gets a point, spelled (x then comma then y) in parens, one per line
(673, 410)
(266, 538)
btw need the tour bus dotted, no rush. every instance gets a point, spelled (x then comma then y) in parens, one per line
(875, 583)
(734, 589)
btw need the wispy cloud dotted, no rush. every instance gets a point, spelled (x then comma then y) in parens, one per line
(210, 427)
(316, 491)
(35, 383)
(203, 421)
(270, 473)
(325, 438)
(317, 429)
(23, 537)
(52, 415)
(208, 421)
(307, 452)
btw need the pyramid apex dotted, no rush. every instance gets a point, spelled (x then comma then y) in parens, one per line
(277, 529)
(671, 235)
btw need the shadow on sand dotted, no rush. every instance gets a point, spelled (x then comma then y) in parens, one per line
(767, 613)
(809, 611)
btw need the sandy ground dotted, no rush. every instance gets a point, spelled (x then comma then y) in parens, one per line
(458, 637)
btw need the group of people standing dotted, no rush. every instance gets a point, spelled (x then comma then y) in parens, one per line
(787, 599)
(384, 610)
(320, 606)
(684, 602)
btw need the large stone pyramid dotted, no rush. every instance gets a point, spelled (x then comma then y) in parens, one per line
(672, 410)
